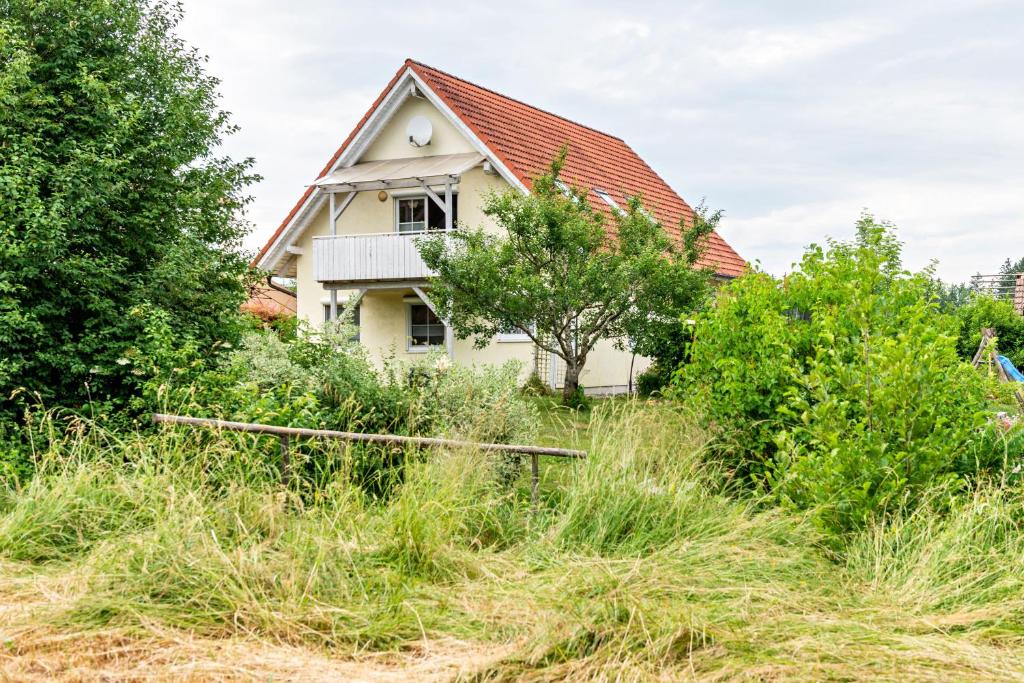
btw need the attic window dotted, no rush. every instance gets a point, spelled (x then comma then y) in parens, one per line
(608, 200)
(643, 210)
(566, 191)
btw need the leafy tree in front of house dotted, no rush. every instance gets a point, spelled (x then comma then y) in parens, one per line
(114, 203)
(558, 272)
(666, 334)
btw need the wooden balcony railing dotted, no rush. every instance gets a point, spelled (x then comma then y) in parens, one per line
(380, 257)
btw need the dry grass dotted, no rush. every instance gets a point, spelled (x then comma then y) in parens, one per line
(151, 563)
(32, 648)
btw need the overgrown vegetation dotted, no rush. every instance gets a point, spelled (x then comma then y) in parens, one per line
(113, 198)
(984, 311)
(637, 565)
(827, 490)
(841, 385)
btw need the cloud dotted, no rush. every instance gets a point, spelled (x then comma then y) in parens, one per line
(792, 116)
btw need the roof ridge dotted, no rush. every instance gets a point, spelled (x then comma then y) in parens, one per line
(410, 60)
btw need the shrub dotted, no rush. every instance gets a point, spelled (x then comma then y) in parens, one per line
(577, 400)
(535, 386)
(843, 381)
(749, 352)
(481, 403)
(999, 314)
(107, 96)
(323, 379)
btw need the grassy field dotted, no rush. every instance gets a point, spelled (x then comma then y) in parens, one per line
(177, 557)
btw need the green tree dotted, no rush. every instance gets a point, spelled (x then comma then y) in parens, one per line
(113, 200)
(841, 384)
(983, 311)
(559, 273)
(665, 334)
(1012, 267)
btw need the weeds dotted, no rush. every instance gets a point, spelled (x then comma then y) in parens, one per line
(636, 566)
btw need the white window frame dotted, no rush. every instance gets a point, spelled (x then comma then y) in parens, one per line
(426, 215)
(428, 205)
(512, 337)
(608, 200)
(415, 348)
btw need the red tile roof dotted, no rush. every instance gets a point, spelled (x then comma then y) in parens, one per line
(525, 139)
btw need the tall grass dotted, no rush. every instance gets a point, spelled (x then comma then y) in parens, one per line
(636, 564)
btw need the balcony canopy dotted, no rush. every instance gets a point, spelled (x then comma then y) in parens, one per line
(443, 169)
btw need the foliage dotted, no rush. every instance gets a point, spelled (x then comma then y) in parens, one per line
(577, 400)
(112, 196)
(559, 273)
(323, 379)
(985, 311)
(653, 380)
(951, 296)
(842, 382)
(749, 353)
(664, 333)
(1011, 267)
(635, 566)
(535, 386)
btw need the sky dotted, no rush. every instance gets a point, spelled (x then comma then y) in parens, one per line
(793, 117)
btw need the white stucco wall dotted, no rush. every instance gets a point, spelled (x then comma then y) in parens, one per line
(392, 142)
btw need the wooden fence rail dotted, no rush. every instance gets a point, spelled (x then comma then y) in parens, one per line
(285, 434)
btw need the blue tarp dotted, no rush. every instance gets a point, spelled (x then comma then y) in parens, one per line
(1013, 372)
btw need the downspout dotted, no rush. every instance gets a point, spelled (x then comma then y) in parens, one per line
(278, 288)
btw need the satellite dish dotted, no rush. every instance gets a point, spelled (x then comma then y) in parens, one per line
(419, 131)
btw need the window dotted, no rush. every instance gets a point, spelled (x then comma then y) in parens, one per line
(608, 200)
(417, 214)
(515, 335)
(341, 309)
(566, 191)
(643, 210)
(425, 328)
(412, 214)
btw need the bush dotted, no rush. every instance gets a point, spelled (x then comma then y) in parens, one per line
(323, 379)
(107, 96)
(749, 353)
(842, 382)
(482, 404)
(999, 314)
(577, 400)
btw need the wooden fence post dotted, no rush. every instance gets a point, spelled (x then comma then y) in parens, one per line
(534, 480)
(286, 460)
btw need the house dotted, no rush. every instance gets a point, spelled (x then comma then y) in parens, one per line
(269, 302)
(422, 158)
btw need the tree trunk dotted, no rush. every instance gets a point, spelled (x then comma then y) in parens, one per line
(572, 381)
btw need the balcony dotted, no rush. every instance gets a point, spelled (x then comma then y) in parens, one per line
(381, 257)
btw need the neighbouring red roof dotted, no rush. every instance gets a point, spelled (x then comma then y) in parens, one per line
(525, 139)
(268, 303)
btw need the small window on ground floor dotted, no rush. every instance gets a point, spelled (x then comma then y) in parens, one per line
(425, 328)
(515, 335)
